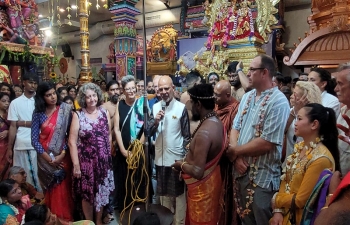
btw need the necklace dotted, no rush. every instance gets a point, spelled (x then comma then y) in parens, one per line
(94, 112)
(202, 120)
(295, 162)
(253, 169)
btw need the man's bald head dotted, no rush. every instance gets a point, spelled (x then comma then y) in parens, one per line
(223, 86)
(166, 88)
(222, 92)
(165, 80)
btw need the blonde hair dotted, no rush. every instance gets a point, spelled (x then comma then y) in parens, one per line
(313, 91)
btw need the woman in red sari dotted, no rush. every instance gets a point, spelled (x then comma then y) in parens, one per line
(49, 128)
(4, 130)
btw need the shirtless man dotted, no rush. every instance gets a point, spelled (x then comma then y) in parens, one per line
(193, 78)
(113, 91)
(199, 168)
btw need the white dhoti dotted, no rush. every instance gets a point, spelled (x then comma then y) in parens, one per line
(27, 159)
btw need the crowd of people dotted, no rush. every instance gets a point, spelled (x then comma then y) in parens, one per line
(256, 148)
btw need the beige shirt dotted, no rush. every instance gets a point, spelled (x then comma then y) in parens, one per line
(237, 94)
(344, 148)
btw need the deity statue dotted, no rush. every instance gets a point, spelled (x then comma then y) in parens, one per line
(14, 12)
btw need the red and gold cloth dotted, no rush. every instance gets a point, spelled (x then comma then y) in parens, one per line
(203, 196)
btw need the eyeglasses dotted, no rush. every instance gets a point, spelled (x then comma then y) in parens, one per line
(253, 69)
(130, 89)
(22, 173)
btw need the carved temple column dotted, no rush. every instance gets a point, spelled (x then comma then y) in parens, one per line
(124, 12)
(85, 73)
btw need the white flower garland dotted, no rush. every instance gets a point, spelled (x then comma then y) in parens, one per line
(15, 210)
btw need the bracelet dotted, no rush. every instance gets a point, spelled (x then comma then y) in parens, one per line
(239, 70)
(183, 163)
(277, 211)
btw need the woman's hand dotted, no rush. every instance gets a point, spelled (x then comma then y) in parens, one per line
(126, 153)
(39, 196)
(277, 219)
(4, 134)
(76, 171)
(300, 103)
(60, 157)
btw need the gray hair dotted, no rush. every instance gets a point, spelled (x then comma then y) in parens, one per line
(126, 79)
(345, 66)
(82, 94)
(14, 170)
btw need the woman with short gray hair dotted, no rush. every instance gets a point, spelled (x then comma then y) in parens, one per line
(90, 148)
(128, 123)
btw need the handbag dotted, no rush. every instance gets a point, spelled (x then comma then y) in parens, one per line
(292, 216)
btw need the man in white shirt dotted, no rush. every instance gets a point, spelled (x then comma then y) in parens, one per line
(171, 125)
(343, 92)
(20, 149)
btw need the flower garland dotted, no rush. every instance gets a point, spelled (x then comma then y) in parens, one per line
(251, 23)
(293, 161)
(234, 30)
(15, 210)
(253, 172)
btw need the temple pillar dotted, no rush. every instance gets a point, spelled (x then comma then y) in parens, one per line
(85, 73)
(124, 12)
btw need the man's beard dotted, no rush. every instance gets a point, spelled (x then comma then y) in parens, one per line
(196, 117)
(151, 91)
(235, 83)
(114, 99)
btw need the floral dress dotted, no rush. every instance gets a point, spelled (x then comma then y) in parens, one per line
(94, 152)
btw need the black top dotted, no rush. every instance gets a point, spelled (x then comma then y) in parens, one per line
(124, 109)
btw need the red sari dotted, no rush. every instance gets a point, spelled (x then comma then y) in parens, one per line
(4, 164)
(59, 197)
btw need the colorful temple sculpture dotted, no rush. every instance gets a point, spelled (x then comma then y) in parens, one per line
(161, 51)
(194, 18)
(139, 56)
(328, 41)
(124, 12)
(237, 31)
(20, 39)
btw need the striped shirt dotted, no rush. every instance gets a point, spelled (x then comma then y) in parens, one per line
(276, 116)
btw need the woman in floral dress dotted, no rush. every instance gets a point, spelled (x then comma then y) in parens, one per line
(90, 147)
(318, 151)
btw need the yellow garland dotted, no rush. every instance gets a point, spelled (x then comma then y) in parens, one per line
(135, 157)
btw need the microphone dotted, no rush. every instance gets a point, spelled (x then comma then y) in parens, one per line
(163, 104)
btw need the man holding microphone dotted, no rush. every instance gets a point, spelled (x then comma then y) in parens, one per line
(171, 125)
